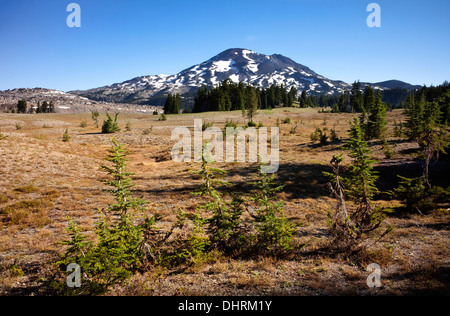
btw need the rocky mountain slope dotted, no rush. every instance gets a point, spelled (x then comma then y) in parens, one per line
(237, 64)
(64, 102)
(144, 93)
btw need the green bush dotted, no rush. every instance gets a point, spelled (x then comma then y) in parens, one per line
(418, 196)
(274, 231)
(252, 124)
(128, 127)
(334, 136)
(388, 150)
(110, 126)
(205, 126)
(66, 137)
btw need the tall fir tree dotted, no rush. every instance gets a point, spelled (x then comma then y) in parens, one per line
(251, 104)
(376, 121)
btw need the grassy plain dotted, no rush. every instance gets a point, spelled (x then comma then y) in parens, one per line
(43, 180)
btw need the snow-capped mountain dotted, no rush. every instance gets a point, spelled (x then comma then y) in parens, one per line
(237, 64)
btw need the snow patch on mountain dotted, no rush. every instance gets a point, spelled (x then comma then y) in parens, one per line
(236, 64)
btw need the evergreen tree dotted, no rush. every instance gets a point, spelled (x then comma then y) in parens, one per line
(376, 121)
(201, 100)
(38, 108)
(168, 104)
(110, 126)
(94, 116)
(51, 107)
(121, 246)
(302, 99)
(356, 98)
(414, 110)
(351, 228)
(251, 104)
(172, 104)
(44, 107)
(432, 137)
(22, 106)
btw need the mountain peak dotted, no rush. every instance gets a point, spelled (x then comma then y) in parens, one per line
(237, 64)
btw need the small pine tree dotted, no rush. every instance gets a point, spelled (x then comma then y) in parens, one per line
(66, 137)
(351, 228)
(432, 136)
(376, 121)
(121, 246)
(274, 231)
(251, 105)
(110, 126)
(94, 116)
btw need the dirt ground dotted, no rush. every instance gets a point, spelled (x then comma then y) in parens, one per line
(43, 180)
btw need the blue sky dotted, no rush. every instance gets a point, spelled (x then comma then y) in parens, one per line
(120, 40)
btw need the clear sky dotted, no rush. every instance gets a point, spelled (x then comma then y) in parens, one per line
(120, 40)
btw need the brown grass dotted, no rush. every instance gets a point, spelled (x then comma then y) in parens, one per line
(43, 181)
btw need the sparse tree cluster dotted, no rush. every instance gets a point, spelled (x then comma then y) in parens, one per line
(45, 107)
(172, 104)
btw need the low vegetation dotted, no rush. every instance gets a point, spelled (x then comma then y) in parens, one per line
(225, 228)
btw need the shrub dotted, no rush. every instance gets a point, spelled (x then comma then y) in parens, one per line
(388, 150)
(27, 189)
(315, 136)
(334, 136)
(162, 117)
(293, 129)
(398, 129)
(252, 124)
(94, 116)
(2, 137)
(231, 124)
(323, 138)
(28, 213)
(224, 225)
(320, 136)
(417, 196)
(147, 131)
(83, 124)
(205, 125)
(287, 120)
(66, 137)
(110, 126)
(128, 127)
(274, 231)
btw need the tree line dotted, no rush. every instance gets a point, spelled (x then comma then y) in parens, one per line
(231, 96)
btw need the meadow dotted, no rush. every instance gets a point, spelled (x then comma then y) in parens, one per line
(44, 180)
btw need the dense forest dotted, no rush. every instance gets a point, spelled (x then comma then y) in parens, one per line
(230, 96)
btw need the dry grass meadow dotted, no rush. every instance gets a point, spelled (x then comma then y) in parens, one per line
(43, 180)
